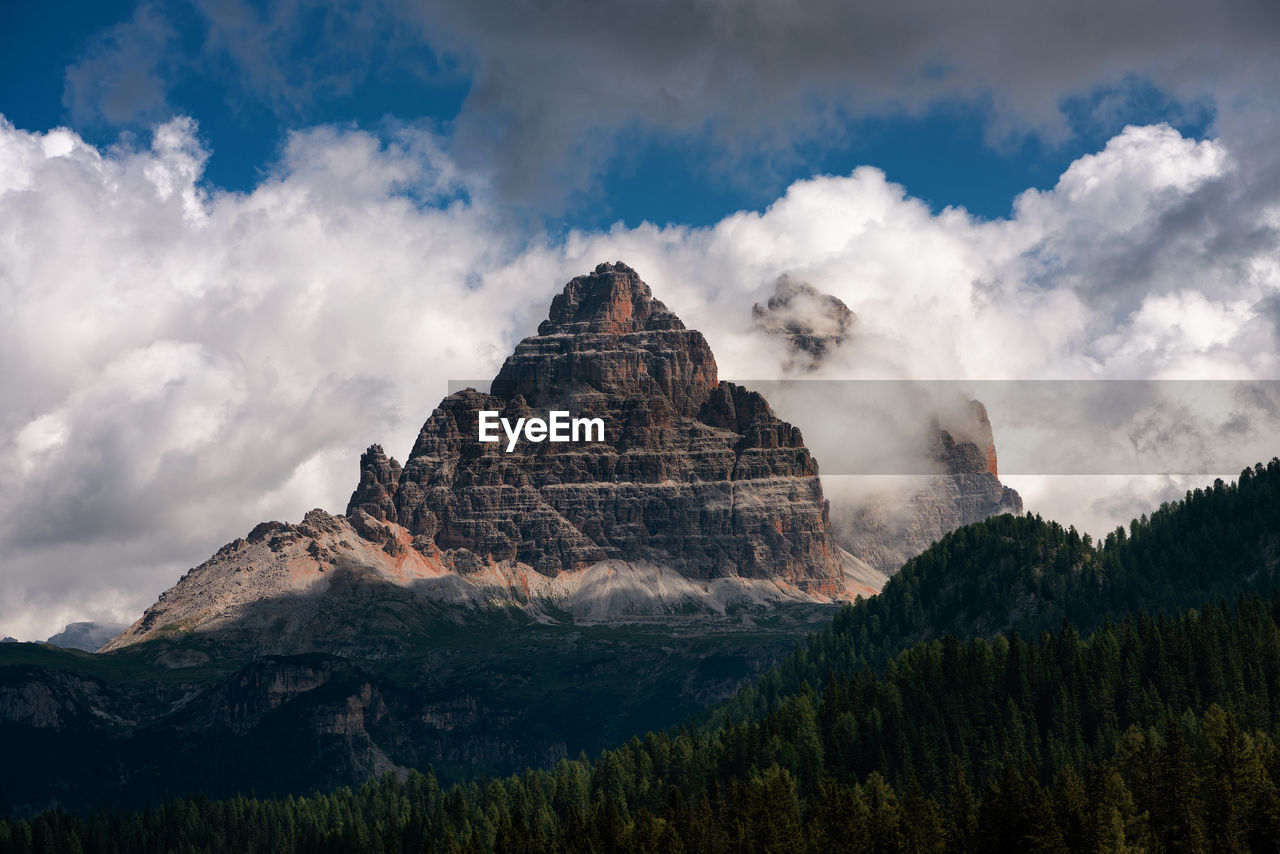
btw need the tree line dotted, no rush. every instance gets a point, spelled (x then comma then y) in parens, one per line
(1155, 734)
(922, 720)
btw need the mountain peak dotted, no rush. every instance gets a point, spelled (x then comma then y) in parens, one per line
(379, 477)
(693, 474)
(814, 323)
(694, 497)
(610, 300)
(607, 340)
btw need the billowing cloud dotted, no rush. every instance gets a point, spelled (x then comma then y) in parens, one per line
(181, 362)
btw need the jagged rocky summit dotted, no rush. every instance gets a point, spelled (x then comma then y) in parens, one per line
(697, 499)
(813, 323)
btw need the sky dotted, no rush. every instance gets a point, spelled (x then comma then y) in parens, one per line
(240, 242)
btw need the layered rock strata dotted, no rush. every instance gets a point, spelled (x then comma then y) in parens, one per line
(694, 474)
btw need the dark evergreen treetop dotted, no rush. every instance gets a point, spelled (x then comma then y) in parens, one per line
(1027, 574)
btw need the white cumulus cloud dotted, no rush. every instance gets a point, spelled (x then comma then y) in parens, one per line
(181, 362)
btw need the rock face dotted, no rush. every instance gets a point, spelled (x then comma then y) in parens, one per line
(694, 474)
(813, 322)
(888, 530)
(379, 479)
(696, 499)
(968, 490)
(967, 445)
(42, 699)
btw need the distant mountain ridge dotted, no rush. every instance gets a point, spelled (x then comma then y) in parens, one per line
(87, 635)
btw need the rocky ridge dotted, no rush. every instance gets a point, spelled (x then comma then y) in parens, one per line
(698, 500)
